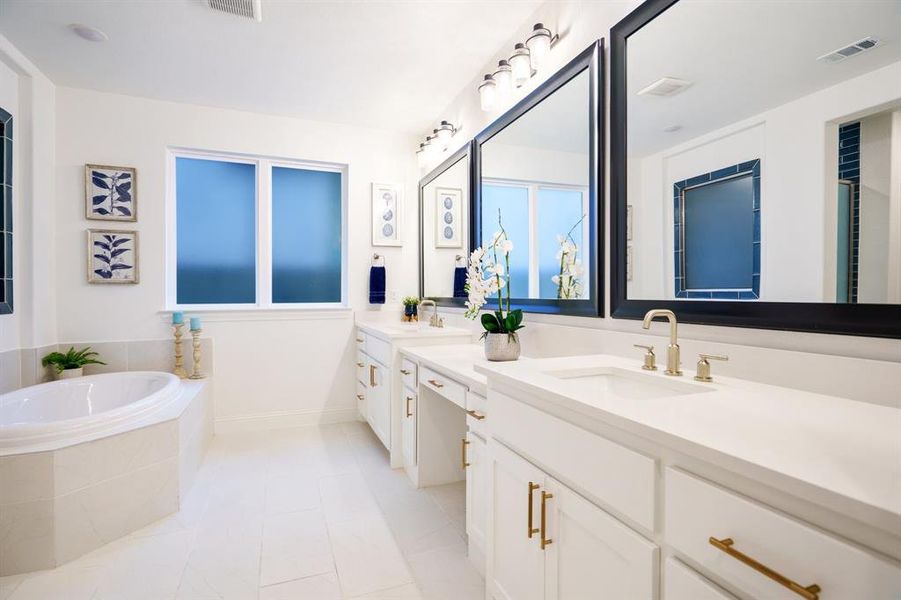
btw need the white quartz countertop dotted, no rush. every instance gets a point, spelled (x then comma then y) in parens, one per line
(457, 361)
(400, 330)
(842, 454)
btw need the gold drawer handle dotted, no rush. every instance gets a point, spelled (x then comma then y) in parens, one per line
(811, 592)
(361, 365)
(405, 372)
(372, 382)
(545, 541)
(409, 399)
(361, 397)
(360, 340)
(475, 415)
(532, 488)
(463, 452)
(436, 384)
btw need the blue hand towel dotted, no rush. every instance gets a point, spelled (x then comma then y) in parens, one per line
(460, 282)
(377, 285)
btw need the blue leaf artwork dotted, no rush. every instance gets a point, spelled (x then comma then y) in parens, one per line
(113, 256)
(111, 193)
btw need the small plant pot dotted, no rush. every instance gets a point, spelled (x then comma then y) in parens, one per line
(501, 347)
(69, 373)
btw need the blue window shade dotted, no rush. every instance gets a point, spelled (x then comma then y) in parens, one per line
(558, 211)
(513, 202)
(306, 235)
(216, 229)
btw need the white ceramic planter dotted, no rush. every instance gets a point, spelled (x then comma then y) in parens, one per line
(501, 347)
(70, 373)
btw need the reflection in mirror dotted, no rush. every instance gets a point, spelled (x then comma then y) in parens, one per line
(770, 169)
(535, 174)
(444, 206)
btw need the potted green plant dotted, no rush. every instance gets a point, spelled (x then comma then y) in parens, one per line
(487, 275)
(411, 304)
(71, 363)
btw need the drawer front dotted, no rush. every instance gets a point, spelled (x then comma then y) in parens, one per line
(360, 366)
(360, 397)
(698, 513)
(477, 413)
(610, 473)
(684, 583)
(378, 349)
(360, 339)
(408, 372)
(447, 387)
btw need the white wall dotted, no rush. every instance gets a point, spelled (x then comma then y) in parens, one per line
(292, 364)
(527, 163)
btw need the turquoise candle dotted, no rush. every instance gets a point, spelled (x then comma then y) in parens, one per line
(178, 317)
(195, 323)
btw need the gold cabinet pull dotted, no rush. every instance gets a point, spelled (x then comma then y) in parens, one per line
(727, 545)
(405, 372)
(372, 382)
(409, 399)
(436, 384)
(463, 452)
(532, 487)
(361, 397)
(361, 365)
(475, 415)
(544, 539)
(360, 340)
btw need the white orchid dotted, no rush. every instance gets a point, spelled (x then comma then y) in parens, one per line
(569, 286)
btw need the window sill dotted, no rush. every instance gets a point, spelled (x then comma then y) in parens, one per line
(223, 314)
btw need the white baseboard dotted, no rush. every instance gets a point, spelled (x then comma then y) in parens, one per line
(285, 419)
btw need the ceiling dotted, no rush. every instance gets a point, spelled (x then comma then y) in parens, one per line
(388, 65)
(744, 57)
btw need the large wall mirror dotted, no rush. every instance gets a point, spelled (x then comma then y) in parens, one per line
(537, 171)
(444, 229)
(756, 164)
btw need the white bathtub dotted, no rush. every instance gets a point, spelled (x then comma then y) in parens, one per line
(86, 461)
(77, 409)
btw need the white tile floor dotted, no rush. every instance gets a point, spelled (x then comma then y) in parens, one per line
(295, 514)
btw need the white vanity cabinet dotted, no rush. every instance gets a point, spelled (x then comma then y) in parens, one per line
(378, 399)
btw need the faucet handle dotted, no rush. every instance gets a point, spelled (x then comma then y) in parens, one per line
(703, 373)
(650, 359)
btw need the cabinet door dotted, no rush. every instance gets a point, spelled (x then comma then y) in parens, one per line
(515, 559)
(476, 491)
(377, 401)
(592, 556)
(408, 427)
(684, 583)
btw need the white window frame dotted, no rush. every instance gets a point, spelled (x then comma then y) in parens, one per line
(263, 228)
(533, 187)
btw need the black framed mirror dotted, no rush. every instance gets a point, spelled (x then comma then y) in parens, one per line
(758, 185)
(445, 226)
(538, 168)
(6, 213)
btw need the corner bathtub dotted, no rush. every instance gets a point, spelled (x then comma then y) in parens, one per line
(89, 460)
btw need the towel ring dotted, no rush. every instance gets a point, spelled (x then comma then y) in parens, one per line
(378, 260)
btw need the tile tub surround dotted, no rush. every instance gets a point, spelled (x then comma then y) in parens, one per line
(58, 505)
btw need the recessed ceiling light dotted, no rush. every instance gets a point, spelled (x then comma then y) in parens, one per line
(665, 86)
(672, 128)
(92, 34)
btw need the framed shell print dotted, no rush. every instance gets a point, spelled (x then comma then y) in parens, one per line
(448, 218)
(112, 256)
(387, 209)
(110, 193)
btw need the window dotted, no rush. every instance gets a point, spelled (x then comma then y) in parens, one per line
(534, 215)
(253, 231)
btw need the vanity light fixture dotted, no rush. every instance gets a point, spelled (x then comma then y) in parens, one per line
(539, 44)
(91, 34)
(503, 79)
(520, 64)
(421, 154)
(487, 93)
(445, 132)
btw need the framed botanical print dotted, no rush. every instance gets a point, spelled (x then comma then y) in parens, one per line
(112, 256)
(448, 218)
(387, 210)
(110, 193)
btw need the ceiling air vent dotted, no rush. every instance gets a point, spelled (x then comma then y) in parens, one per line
(848, 51)
(250, 9)
(665, 86)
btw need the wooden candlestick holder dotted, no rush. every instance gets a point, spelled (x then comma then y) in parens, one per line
(179, 359)
(195, 342)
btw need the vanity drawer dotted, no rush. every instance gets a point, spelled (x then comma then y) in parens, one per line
(360, 340)
(699, 513)
(408, 373)
(360, 398)
(476, 413)
(684, 583)
(611, 474)
(447, 387)
(360, 366)
(378, 349)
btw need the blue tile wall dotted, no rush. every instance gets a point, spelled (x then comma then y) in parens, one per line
(751, 168)
(849, 169)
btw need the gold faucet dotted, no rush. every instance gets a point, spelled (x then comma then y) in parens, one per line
(673, 361)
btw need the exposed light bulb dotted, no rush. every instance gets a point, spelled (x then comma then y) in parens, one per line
(539, 45)
(503, 79)
(520, 65)
(487, 93)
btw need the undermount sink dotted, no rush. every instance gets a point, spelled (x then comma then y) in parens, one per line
(628, 385)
